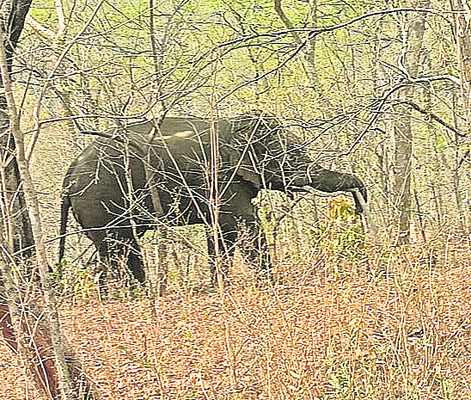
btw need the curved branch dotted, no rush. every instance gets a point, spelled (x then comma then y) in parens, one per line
(375, 116)
(286, 21)
(316, 31)
(434, 117)
(330, 28)
(382, 101)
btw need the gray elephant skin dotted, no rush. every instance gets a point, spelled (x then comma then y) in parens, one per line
(107, 186)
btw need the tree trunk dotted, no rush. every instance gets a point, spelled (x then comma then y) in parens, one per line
(12, 16)
(402, 130)
(36, 350)
(311, 45)
(44, 352)
(309, 50)
(463, 49)
(461, 33)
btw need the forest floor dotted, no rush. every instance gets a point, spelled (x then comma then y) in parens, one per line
(395, 325)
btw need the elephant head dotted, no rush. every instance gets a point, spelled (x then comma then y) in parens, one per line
(108, 186)
(271, 157)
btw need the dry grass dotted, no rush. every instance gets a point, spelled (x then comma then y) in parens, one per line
(396, 326)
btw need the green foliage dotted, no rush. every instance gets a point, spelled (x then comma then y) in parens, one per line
(350, 243)
(366, 374)
(84, 284)
(118, 47)
(342, 236)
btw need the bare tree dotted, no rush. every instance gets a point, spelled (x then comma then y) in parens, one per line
(310, 45)
(34, 332)
(17, 225)
(461, 32)
(413, 33)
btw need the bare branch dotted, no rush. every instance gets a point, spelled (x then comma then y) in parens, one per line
(40, 29)
(61, 18)
(435, 117)
(286, 21)
(331, 28)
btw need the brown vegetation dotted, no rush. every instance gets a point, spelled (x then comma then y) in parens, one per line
(396, 325)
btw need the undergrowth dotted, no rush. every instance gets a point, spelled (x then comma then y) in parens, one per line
(394, 326)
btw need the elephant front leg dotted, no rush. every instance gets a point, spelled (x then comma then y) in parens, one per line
(221, 254)
(255, 250)
(248, 239)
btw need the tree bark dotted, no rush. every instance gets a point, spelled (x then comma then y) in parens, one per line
(309, 51)
(311, 45)
(44, 351)
(12, 16)
(402, 130)
(461, 33)
(36, 349)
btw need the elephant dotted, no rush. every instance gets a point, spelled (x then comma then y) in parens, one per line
(137, 175)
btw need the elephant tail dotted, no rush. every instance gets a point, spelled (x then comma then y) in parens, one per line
(65, 205)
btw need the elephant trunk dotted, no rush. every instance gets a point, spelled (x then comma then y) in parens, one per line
(332, 181)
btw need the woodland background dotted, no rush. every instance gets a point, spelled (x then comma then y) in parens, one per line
(380, 97)
(377, 88)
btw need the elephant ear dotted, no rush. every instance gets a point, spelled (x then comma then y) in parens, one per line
(245, 167)
(250, 137)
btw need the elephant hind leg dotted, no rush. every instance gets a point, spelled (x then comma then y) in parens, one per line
(223, 254)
